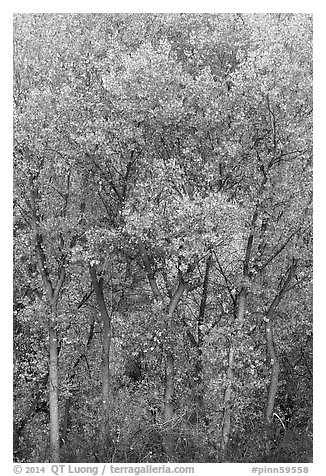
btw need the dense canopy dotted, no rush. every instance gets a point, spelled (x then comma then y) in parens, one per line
(162, 237)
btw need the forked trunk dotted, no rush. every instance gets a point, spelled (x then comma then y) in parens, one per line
(52, 291)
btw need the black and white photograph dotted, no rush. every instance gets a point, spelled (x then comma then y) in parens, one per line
(162, 239)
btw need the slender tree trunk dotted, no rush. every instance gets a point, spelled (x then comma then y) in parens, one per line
(226, 426)
(241, 310)
(53, 297)
(275, 367)
(54, 372)
(52, 292)
(149, 272)
(54, 393)
(270, 342)
(197, 390)
(106, 342)
(168, 412)
(106, 367)
(273, 385)
(168, 439)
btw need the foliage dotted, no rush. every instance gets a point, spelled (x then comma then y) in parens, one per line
(146, 145)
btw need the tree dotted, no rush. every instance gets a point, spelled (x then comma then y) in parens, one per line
(162, 228)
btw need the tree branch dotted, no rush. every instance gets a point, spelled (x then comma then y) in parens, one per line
(277, 299)
(149, 271)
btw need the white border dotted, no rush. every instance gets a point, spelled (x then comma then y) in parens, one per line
(168, 6)
(319, 188)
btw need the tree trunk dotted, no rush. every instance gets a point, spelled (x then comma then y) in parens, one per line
(270, 342)
(197, 384)
(106, 342)
(52, 293)
(226, 425)
(275, 370)
(168, 439)
(106, 367)
(53, 296)
(149, 272)
(273, 385)
(241, 310)
(168, 412)
(54, 390)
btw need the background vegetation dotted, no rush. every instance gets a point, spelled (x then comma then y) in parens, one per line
(162, 231)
